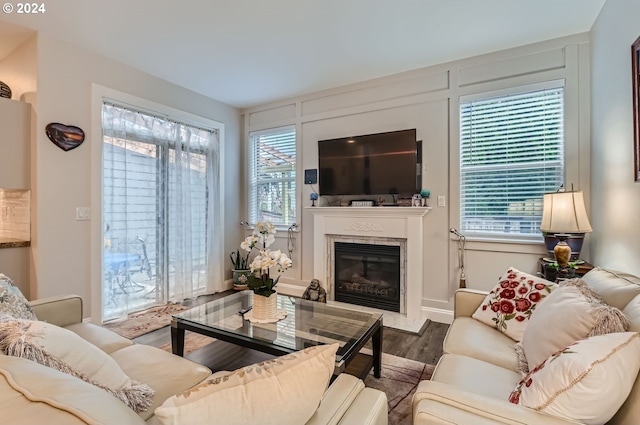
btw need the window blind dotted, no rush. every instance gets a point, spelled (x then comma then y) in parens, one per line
(272, 176)
(511, 153)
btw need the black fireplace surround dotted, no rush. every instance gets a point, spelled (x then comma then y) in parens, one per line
(367, 275)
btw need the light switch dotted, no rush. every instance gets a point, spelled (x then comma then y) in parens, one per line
(83, 213)
(442, 201)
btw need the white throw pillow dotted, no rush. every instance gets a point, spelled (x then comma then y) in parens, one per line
(586, 382)
(285, 390)
(67, 352)
(570, 313)
(511, 303)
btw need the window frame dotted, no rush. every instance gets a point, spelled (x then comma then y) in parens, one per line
(491, 94)
(100, 94)
(252, 179)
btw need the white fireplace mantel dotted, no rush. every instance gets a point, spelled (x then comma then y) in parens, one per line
(401, 223)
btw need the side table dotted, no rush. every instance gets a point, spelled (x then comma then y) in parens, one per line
(582, 269)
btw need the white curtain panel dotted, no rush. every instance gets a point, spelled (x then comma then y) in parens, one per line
(160, 197)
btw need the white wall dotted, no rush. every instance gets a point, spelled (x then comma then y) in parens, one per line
(63, 181)
(615, 205)
(427, 99)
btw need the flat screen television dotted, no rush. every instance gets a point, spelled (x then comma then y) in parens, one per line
(372, 164)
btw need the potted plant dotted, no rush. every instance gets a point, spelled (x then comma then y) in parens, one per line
(240, 269)
(260, 280)
(551, 271)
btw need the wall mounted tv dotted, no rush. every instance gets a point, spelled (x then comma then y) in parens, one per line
(372, 164)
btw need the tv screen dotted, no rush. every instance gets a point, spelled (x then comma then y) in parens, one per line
(372, 164)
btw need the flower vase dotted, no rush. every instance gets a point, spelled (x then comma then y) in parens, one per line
(265, 309)
(240, 278)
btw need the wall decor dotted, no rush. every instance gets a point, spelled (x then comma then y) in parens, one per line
(66, 137)
(635, 77)
(5, 90)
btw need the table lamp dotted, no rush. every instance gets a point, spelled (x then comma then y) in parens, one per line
(564, 218)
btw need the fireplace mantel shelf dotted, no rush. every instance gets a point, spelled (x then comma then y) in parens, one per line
(370, 211)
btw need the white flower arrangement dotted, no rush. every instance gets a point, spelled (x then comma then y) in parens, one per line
(263, 236)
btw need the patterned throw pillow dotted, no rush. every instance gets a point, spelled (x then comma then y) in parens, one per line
(12, 303)
(586, 382)
(571, 313)
(284, 390)
(510, 304)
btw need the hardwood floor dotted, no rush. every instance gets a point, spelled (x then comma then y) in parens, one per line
(425, 346)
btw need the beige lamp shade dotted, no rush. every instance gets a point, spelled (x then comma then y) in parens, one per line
(564, 212)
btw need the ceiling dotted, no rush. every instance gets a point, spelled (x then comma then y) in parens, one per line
(249, 52)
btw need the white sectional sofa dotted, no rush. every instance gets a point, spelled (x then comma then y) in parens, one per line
(473, 380)
(31, 393)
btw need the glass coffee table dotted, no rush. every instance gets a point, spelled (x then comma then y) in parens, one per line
(307, 323)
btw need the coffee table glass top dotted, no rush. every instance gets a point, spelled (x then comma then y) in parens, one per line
(307, 323)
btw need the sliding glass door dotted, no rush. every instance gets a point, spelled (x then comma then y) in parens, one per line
(160, 186)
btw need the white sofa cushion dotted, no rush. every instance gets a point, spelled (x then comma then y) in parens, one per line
(570, 313)
(615, 288)
(166, 373)
(67, 352)
(468, 337)
(587, 381)
(510, 304)
(31, 393)
(284, 390)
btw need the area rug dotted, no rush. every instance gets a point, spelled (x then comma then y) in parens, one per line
(146, 321)
(192, 342)
(399, 380)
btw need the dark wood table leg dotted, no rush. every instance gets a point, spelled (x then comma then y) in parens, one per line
(177, 339)
(376, 342)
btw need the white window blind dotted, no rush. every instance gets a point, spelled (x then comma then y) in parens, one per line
(511, 153)
(272, 176)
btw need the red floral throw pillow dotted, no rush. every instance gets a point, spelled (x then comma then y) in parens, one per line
(510, 304)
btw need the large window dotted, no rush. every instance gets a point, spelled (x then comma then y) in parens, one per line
(160, 189)
(272, 176)
(511, 153)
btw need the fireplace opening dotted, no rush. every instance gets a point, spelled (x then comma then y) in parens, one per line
(367, 275)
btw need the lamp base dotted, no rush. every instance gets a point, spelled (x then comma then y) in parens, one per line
(562, 251)
(574, 240)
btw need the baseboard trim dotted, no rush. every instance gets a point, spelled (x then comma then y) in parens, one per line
(290, 289)
(438, 315)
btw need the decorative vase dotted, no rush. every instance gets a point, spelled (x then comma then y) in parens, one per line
(562, 250)
(265, 309)
(240, 278)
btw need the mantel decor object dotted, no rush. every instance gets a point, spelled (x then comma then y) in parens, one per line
(66, 137)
